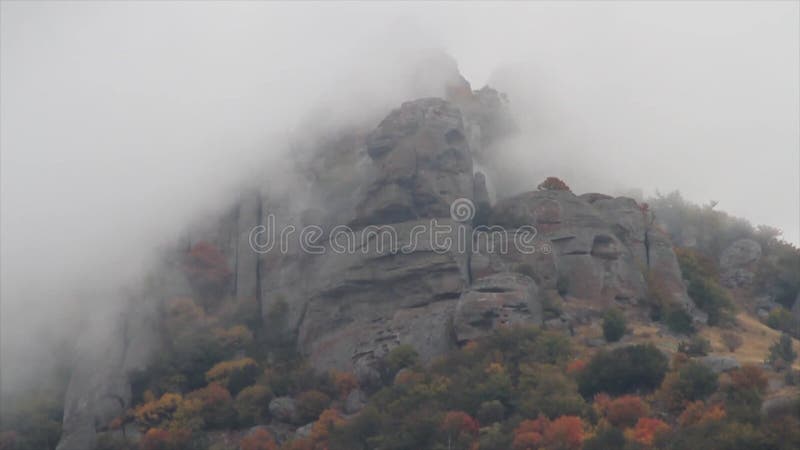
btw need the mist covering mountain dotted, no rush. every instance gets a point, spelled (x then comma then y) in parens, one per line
(132, 185)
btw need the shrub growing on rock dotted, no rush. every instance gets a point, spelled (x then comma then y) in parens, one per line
(553, 184)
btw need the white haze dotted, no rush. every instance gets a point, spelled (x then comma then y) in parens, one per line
(120, 122)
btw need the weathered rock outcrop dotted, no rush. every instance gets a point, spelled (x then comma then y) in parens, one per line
(115, 348)
(423, 163)
(497, 301)
(737, 263)
(99, 389)
(593, 261)
(374, 258)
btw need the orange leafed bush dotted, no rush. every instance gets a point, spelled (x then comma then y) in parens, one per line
(223, 372)
(458, 422)
(160, 439)
(495, 368)
(576, 366)
(154, 413)
(553, 184)
(260, 439)
(698, 413)
(625, 411)
(321, 429)
(344, 382)
(646, 430)
(563, 433)
(528, 440)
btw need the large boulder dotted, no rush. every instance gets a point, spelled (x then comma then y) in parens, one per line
(720, 364)
(590, 258)
(738, 261)
(423, 164)
(497, 301)
(283, 409)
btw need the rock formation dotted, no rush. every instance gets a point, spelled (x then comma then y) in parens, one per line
(392, 285)
(737, 263)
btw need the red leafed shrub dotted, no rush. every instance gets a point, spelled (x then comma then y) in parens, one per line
(646, 430)
(260, 439)
(529, 435)
(528, 440)
(459, 422)
(576, 366)
(206, 265)
(625, 411)
(563, 433)
(160, 439)
(553, 184)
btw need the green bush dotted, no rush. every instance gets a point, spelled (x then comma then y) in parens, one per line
(679, 321)
(782, 353)
(251, 404)
(695, 381)
(701, 276)
(491, 412)
(623, 370)
(696, 346)
(606, 438)
(614, 325)
(400, 357)
(310, 405)
(782, 319)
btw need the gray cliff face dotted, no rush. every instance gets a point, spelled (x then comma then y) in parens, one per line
(114, 349)
(738, 261)
(347, 309)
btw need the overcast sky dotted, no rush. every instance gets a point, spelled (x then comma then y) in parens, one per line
(121, 120)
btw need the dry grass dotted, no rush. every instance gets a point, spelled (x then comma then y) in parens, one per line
(757, 338)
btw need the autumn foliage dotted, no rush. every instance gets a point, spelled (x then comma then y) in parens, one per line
(457, 424)
(563, 433)
(344, 382)
(161, 439)
(698, 413)
(576, 366)
(646, 431)
(623, 411)
(206, 265)
(553, 184)
(260, 439)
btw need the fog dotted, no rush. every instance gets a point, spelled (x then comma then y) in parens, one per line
(121, 122)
